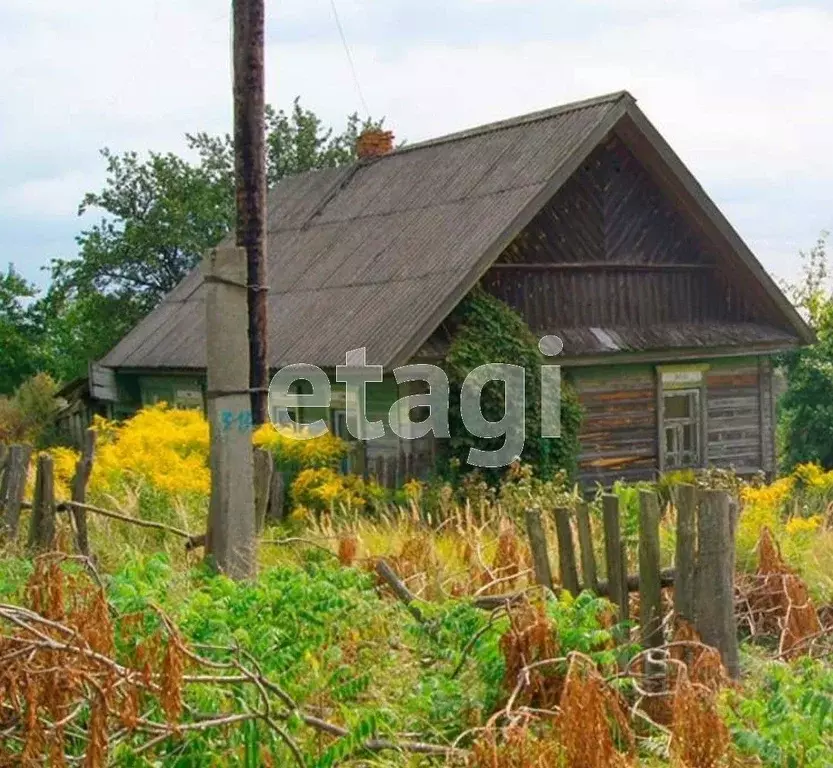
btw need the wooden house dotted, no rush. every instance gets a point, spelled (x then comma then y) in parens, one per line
(580, 217)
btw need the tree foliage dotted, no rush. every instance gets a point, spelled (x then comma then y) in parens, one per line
(29, 413)
(805, 429)
(159, 213)
(18, 331)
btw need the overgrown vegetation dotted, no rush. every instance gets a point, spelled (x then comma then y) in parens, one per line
(805, 426)
(148, 658)
(486, 331)
(28, 414)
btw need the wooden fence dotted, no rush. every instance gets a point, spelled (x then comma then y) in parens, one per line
(704, 562)
(270, 491)
(392, 471)
(702, 576)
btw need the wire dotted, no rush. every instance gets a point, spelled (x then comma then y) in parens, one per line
(349, 58)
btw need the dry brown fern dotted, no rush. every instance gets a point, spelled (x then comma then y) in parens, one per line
(699, 737)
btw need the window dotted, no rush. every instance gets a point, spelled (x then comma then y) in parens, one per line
(681, 406)
(681, 428)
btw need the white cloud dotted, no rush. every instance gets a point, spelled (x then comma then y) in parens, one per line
(739, 88)
(37, 198)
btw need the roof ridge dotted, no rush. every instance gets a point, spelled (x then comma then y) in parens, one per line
(529, 117)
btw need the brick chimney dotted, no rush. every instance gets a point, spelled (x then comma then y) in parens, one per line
(374, 142)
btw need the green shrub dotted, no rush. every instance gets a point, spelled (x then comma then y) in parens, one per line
(787, 719)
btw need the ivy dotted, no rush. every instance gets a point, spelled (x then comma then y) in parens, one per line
(486, 330)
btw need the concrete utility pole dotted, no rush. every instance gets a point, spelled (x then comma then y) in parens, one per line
(230, 541)
(250, 176)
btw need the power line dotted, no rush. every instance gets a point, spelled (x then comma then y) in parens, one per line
(349, 58)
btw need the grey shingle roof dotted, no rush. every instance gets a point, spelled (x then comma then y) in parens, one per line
(364, 255)
(376, 254)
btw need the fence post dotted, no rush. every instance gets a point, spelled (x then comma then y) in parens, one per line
(4, 455)
(42, 523)
(616, 564)
(585, 541)
(379, 469)
(17, 469)
(714, 578)
(83, 469)
(538, 545)
(650, 595)
(276, 510)
(4, 476)
(263, 468)
(566, 551)
(686, 551)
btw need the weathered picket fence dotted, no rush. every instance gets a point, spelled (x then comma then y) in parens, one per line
(702, 576)
(14, 471)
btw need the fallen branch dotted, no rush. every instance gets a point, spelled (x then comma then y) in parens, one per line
(387, 573)
(66, 506)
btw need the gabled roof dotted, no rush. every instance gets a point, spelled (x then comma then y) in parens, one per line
(377, 254)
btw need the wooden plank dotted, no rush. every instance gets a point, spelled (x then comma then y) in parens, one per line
(264, 466)
(686, 551)
(103, 383)
(650, 591)
(42, 522)
(566, 550)
(5, 451)
(590, 579)
(538, 546)
(767, 420)
(277, 509)
(83, 470)
(613, 553)
(714, 579)
(17, 470)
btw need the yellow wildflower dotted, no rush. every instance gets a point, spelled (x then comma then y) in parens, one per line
(799, 525)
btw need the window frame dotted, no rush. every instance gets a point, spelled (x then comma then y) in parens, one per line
(682, 380)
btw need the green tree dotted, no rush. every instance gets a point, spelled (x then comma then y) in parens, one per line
(160, 214)
(19, 335)
(805, 411)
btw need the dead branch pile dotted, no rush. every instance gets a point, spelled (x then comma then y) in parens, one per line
(67, 697)
(777, 603)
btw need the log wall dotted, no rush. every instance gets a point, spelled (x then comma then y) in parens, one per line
(619, 429)
(734, 416)
(619, 434)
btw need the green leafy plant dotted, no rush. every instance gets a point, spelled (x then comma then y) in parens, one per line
(787, 720)
(488, 331)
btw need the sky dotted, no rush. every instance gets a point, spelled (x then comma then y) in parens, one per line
(740, 88)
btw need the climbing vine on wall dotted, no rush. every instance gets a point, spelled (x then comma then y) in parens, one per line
(486, 330)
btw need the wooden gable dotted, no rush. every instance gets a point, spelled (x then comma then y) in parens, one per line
(612, 250)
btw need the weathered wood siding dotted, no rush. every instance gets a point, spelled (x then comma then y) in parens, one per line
(619, 434)
(734, 429)
(619, 430)
(768, 397)
(611, 249)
